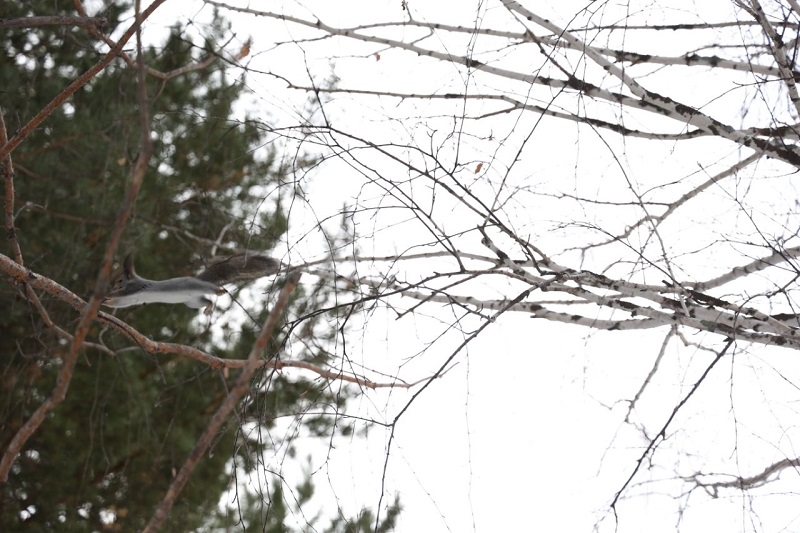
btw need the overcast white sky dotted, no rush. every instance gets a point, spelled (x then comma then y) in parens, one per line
(526, 432)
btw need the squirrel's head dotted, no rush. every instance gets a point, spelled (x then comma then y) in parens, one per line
(121, 284)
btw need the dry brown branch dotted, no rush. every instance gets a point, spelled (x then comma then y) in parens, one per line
(233, 398)
(8, 204)
(82, 80)
(38, 282)
(334, 375)
(89, 23)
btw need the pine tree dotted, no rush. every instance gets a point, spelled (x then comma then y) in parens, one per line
(108, 453)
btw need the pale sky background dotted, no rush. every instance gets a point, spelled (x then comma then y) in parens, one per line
(526, 432)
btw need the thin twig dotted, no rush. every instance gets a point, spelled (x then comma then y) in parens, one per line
(164, 76)
(663, 432)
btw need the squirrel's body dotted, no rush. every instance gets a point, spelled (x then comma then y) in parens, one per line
(130, 289)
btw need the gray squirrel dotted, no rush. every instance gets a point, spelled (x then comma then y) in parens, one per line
(130, 289)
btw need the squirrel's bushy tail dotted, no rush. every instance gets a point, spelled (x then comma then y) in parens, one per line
(244, 267)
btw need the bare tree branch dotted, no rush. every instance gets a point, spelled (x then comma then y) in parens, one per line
(662, 434)
(84, 78)
(743, 483)
(231, 400)
(89, 23)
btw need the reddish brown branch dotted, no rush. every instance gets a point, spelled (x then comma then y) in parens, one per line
(8, 205)
(236, 393)
(82, 80)
(38, 282)
(89, 23)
